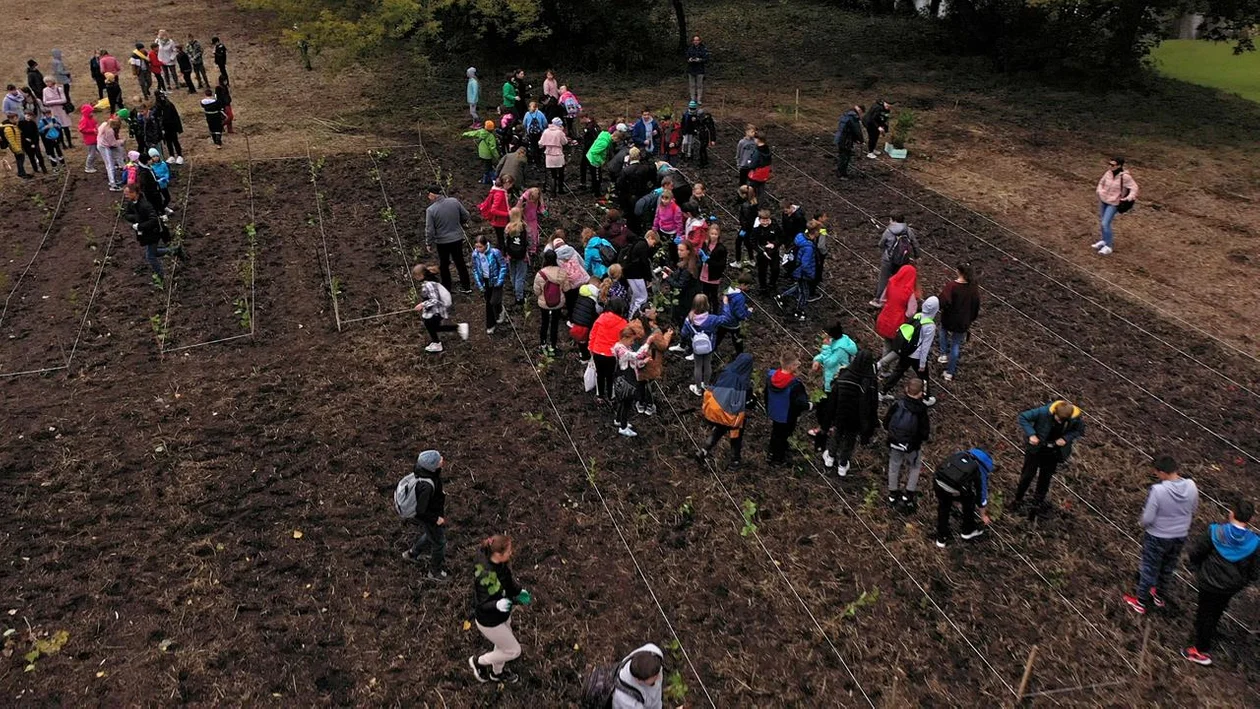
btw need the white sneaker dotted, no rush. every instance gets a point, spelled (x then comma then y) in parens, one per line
(90, 170)
(947, 377)
(170, 210)
(1105, 251)
(942, 359)
(1098, 245)
(695, 389)
(462, 329)
(489, 331)
(179, 160)
(973, 535)
(627, 432)
(638, 406)
(842, 470)
(503, 316)
(677, 348)
(170, 160)
(873, 156)
(930, 401)
(876, 303)
(828, 459)
(434, 347)
(886, 397)
(690, 358)
(649, 410)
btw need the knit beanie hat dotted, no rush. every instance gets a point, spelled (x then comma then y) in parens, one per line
(489, 125)
(133, 156)
(429, 461)
(153, 153)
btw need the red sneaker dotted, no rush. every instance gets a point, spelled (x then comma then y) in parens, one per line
(1159, 602)
(1135, 604)
(1198, 658)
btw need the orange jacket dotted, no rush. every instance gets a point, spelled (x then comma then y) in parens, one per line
(605, 333)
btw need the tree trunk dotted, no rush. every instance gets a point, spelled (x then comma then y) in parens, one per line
(681, 15)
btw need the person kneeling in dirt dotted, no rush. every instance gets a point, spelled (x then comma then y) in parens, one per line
(419, 496)
(150, 231)
(1051, 431)
(640, 680)
(435, 306)
(962, 478)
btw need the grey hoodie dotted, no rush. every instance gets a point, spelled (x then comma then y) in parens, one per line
(651, 695)
(889, 238)
(444, 221)
(927, 332)
(1170, 507)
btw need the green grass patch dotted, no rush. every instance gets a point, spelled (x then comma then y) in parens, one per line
(1211, 64)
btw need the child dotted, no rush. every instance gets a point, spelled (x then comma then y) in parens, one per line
(712, 263)
(698, 330)
(837, 351)
(725, 406)
(28, 131)
(516, 247)
(487, 150)
(582, 316)
(803, 271)
(759, 175)
(550, 284)
(767, 238)
(613, 286)
(908, 429)
(654, 368)
(671, 135)
(87, 130)
(625, 386)
(494, 208)
(11, 138)
(531, 205)
(786, 400)
(854, 411)
(735, 310)
(598, 253)
(668, 222)
(162, 173)
(820, 254)
(748, 212)
(434, 307)
(113, 93)
(489, 273)
(911, 348)
(50, 132)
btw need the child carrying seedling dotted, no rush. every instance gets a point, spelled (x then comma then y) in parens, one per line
(786, 399)
(908, 429)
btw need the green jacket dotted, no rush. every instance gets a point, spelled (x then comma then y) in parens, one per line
(487, 144)
(509, 95)
(600, 149)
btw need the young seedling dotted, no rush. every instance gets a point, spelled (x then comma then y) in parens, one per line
(749, 512)
(867, 598)
(159, 328)
(870, 499)
(334, 287)
(387, 215)
(686, 514)
(591, 473)
(675, 688)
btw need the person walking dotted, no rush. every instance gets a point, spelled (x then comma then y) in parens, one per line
(876, 123)
(908, 427)
(804, 269)
(604, 334)
(900, 303)
(473, 94)
(214, 117)
(495, 594)
(197, 55)
(835, 354)
(487, 150)
(1051, 430)
(699, 329)
(550, 284)
(855, 411)
(553, 142)
(1166, 517)
(735, 310)
(434, 307)
(149, 229)
(848, 134)
(697, 59)
(960, 306)
(1224, 562)
(489, 274)
(220, 59)
(786, 399)
(911, 350)
(898, 247)
(962, 479)
(725, 406)
(496, 207)
(1117, 192)
(420, 493)
(444, 221)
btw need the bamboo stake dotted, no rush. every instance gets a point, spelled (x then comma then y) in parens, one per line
(1023, 682)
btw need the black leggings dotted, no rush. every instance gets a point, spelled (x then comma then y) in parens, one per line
(549, 326)
(605, 370)
(737, 337)
(53, 148)
(434, 325)
(172, 144)
(720, 432)
(557, 177)
(494, 303)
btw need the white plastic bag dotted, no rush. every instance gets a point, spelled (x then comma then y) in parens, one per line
(588, 377)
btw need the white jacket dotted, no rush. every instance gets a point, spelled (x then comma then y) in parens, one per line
(651, 695)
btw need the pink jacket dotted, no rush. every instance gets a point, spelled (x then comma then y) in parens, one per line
(105, 137)
(669, 220)
(529, 213)
(87, 125)
(1110, 190)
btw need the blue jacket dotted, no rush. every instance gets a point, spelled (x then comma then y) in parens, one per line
(805, 251)
(639, 134)
(161, 172)
(492, 263)
(594, 262)
(708, 323)
(736, 309)
(786, 397)
(535, 122)
(1039, 422)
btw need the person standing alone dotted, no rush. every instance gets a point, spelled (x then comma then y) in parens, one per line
(220, 59)
(1050, 430)
(444, 222)
(1224, 562)
(697, 58)
(1117, 191)
(1166, 518)
(421, 495)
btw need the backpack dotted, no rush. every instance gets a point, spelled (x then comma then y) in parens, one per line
(902, 251)
(701, 344)
(903, 426)
(515, 245)
(607, 254)
(646, 206)
(551, 292)
(405, 493)
(907, 345)
(602, 683)
(957, 474)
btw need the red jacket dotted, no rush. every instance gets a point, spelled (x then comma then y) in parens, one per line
(494, 208)
(897, 296)
(155, 64)
(605, 333)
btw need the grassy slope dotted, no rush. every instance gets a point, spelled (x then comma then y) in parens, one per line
(1210, 64)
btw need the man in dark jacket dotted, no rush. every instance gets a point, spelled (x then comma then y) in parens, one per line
(34, 78)
(431, 514)
(1050, 431)
(876, 123)
(855, 393)
(150, 231)
(848, 134)
(637, 179)
(697, 58)
(1224, 562)
(220, 58)
(98, 76)
(786, 399)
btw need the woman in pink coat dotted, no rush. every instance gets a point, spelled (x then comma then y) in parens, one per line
(552, 142)
(55, 100)
(1117, 191)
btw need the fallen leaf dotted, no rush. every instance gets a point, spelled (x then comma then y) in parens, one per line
(297, 534)
(166, 644)
(467, 625)
(101, 673)
(576, 647)
(366, 594)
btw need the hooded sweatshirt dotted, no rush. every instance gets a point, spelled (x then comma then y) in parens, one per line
(1170, 507)
(889, 239)
(474, 86)
(59, 71)
(568, 259)
(897, 301)
(87, 125)
(835, 356)
(1224, 558)
(648, 697)
(786, 397)
(927, 330)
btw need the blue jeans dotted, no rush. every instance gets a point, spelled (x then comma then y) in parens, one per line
(1106, 212)
(517, 270)
(950, 344)
(152, 252)
(801, 292)
(1159, 561)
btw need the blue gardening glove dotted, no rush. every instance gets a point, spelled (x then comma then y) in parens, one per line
(742, 233)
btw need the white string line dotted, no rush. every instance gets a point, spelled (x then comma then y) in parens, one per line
(170, 279)
(1062, 258)
(1056, 335)
(590, 475)
(65, 183)
(253, 220)
(756, 535)
(45, 370)
(96, 285)
(402, 251)
(319, 211)
(303, 157)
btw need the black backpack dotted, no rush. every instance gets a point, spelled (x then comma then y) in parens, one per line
(903, 426)
(958, 473)
(907, 345)
(603, 682)
(902, 251)
(607, 254)
(514, 245)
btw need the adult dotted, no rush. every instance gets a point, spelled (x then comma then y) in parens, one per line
(495, 593)
(430, 506)
(1166, 517)
(960, 306)
(1050, 430)
(553, 142)
(640, 679)
(637, 179)
(444, 221)
(55, 100)
(220, 58)
(166, 49)
(697, 59)
(855, 411)
(521, 87)
(725, 407)
(962, 479)
(60, 73)
(646, 134)
(876, 124)
(712, 265)
(1117, 191)
(898, 246)
(34, 77)
(601, 149)
(604, 334)
(214, 117)
(109, 65)
(138, 60)
(512, 165)
(198, 57)
(848, 134)
(98, 75)
(1224, 562)
(473, 94)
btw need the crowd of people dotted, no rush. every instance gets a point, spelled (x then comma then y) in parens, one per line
(135, 141)
(655, 282)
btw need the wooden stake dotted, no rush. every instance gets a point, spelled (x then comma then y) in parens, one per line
(798, 105)
(1146, 636)
(1023, 682)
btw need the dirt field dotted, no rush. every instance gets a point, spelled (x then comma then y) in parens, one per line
(211, 524)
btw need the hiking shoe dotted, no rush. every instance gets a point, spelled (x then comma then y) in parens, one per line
(506, 677)
(892, 498)
(690, 357)
(434, 347)
(481, 673)
(627, 431)
(1135, 604)
(439, 575)
(695, 389)
(941, 542)
(973, 534)
(1105, 251)
(462, 329)
(1159, 602)
(1098, 245)
(947, 377)
(1198, 658)
(829, 461)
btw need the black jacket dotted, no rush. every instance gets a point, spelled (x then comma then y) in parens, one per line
(185, 64)
(706, 129)
(224, 96)
(168, 117)
(849, 130)
(855, 398)
(220, 54)
(638, 263)
(876, 118)
(589, 134)
(924, 426)
(717, 264)
(584, 312)
(141, 212)
(762, 235)
(487, 576)
(1214, 572)
(636, 180)
(430, 501)
(94, 67)
(794, 224)
(35, 80)
(29, 130)
(748, 216)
